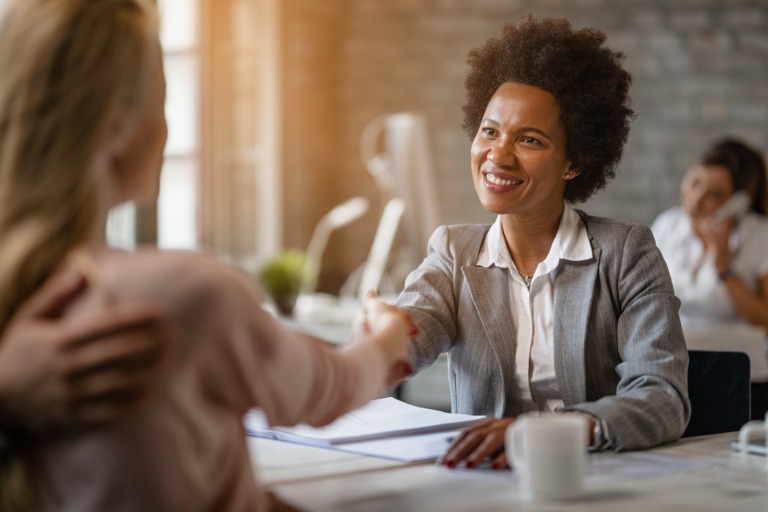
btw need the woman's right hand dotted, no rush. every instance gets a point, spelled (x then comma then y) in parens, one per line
(70, 372)
(391, 329)
(478, 443)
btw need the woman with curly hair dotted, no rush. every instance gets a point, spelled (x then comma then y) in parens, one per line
(550, 309)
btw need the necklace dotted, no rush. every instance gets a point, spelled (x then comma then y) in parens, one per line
(527, 280)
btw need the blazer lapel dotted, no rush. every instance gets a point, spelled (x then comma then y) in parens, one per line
(489, 288)
(574, 293)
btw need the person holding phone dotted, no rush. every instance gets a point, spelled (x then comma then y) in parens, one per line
(715, 243)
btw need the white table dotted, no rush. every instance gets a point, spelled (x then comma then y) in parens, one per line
(324, 480)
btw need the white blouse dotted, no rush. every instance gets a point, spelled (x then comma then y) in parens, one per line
(705, 301)
(533, 310)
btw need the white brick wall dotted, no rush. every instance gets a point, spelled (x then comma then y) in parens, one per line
(700, 69)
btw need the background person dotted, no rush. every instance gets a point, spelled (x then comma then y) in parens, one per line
(719, 267)
(549, 308)
(82, 129)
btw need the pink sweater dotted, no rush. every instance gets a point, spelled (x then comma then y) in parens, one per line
(184, 450)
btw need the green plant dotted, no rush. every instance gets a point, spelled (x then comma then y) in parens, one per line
(281, 276)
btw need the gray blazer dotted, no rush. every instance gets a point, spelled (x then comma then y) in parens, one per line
(620, 354)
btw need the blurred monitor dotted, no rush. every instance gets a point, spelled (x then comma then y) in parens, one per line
(396, 151)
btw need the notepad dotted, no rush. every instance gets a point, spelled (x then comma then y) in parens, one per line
(379, 419)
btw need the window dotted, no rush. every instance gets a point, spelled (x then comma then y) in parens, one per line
(176, 212)
(177, 202)
(220, 180)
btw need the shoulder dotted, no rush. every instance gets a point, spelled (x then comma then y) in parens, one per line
(753, 232)
(612, 232)
(461, 237)
(458, 242)
(667, 218)
(670, 214)
(182, 281)
(756, 224)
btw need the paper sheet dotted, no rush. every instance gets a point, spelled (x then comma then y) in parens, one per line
(382, 418)
(416, 448)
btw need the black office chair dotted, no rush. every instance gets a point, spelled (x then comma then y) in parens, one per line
(719, 390)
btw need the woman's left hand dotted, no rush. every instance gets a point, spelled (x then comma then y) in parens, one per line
(478, 443)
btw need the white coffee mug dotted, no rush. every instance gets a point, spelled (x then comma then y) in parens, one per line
(748, 430)
(549, 452)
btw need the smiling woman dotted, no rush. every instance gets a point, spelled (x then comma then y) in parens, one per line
(518, 157)
(541, 309)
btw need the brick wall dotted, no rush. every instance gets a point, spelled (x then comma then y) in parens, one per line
(700, 70)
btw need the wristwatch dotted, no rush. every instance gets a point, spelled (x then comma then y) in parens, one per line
(723, 275)
(599, 438)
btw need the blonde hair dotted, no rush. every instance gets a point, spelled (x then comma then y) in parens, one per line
(69, 68)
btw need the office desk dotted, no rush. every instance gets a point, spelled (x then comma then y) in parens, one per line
(323, 480)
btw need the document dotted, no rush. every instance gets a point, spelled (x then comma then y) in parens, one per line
(379, 419)
(414, 448)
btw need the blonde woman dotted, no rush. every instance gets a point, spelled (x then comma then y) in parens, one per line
(82, 129)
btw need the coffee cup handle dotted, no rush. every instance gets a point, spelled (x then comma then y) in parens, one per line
(515, 445)
(745, 434)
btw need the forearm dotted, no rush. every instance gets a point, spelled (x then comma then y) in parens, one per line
(340, 380)
(752, 306)
(431, 313)
(649, 405)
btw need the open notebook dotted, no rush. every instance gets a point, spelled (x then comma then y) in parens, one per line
(385, 428)
(382, 418)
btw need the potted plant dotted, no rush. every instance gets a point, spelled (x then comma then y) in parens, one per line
(281, 276)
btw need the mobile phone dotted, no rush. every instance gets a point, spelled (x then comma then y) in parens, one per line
(736, 206)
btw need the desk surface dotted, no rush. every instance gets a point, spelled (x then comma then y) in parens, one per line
(315, 479)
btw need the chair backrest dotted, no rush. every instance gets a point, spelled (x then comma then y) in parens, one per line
(719, 390)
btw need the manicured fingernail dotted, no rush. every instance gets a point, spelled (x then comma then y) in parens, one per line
(470, 464)
(495, 465)
(413, 331)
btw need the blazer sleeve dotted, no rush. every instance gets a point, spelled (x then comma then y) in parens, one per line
(430, 299)
(650, 404)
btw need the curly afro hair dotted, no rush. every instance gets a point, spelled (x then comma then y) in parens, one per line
(586, 79)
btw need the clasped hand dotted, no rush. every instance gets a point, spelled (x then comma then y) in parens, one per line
(392, 329)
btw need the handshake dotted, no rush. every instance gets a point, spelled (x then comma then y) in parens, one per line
(391, 330)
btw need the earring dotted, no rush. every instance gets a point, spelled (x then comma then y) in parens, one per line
(567, 175)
